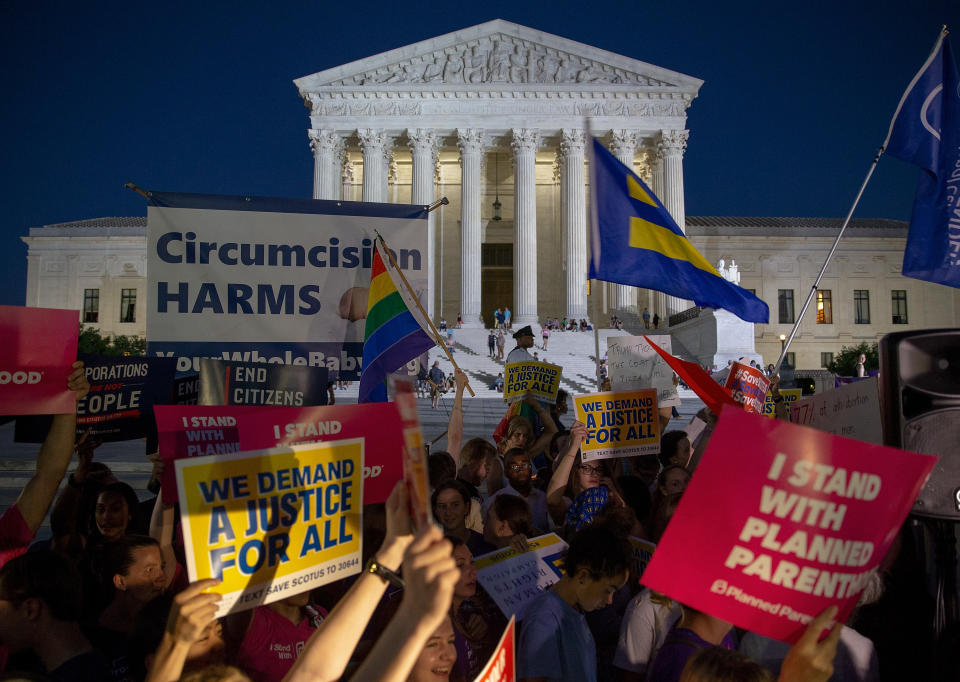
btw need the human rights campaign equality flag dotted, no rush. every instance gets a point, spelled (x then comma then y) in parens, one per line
(636, 242)
(925, 131)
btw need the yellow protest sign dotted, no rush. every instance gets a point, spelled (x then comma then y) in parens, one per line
(272, 523)
(619, 424)
(540, 379)
(790, 395)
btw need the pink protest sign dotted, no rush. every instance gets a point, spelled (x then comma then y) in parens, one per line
(38, 347)
(194, 431)
(781, 521)
(748, 386)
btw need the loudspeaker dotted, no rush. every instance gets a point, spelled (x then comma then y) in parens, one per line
(920, 395)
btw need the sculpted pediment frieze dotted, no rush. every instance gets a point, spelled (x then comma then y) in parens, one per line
(500, 58)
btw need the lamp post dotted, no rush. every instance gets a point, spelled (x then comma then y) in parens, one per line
(783, 342)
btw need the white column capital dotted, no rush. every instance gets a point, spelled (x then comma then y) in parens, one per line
(673, 142)
(623, 143)
(423, 140)
(323, 141)
(525, 140)
(471, 140)
(374, 139)
(572, 141)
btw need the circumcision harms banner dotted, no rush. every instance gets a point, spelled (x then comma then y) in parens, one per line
(781, 521)
(283, 281)
(38, 347)
(619, 424)
(272, 523)
(196, 431)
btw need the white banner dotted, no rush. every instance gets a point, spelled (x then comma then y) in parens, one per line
(634, 364)
(270, 280)
(852, 410)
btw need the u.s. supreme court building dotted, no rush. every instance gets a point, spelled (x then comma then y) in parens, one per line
(495, 117)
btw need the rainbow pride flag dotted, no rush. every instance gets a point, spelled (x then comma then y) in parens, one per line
(394, 336)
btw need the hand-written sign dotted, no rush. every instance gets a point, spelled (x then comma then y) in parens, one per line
(540, 379)
(634, 365)
(514, 580)
(853, 410)
(195, 431)
(790, 396)
(748, 386)
(809, 516)
(502, 664)
(619, 424)
(272, 523)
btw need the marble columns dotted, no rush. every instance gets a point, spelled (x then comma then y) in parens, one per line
(525, 142)
(471, 142)
(623, 144)
(326, 175)
(423, 149)
(573, 191)
(672, 145)
(376, 149)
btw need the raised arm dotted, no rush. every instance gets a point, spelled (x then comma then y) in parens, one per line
(430, 573)
(162, 522)
(578, 433)
(455, 426)
(192, 611)
(549, 428)
(54, 457)
(328, 650)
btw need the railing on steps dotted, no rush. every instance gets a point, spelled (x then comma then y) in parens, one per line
(685, 315)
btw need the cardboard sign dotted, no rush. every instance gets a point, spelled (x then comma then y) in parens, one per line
(256, 383)
(853, 410)
(634, 365)
(790, 396)
(642, 554)
(415, 473)
(272, 523)
(38, 347)
(514, 580)
(123, 391)
(502, 666)
(540, 379)
(620, 424)
(195, 431)
(279, 281)
(796, 519)
(748, 385)
(709, 391)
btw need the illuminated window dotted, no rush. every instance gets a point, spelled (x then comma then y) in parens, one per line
(861, 306)
(898, 301)
(785, 299)
(128, 305)
(824, 307)
(91, 305)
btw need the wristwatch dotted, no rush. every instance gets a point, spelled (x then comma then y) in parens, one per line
(382, 572)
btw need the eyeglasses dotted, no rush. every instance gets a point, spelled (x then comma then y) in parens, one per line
(591, 470)
(519, 467)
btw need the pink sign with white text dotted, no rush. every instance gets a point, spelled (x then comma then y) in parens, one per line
(38, 346)
(781, 521)
(195, 431)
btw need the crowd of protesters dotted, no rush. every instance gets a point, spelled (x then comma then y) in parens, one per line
(107, 598)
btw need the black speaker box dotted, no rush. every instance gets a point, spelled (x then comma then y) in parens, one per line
(920, 395)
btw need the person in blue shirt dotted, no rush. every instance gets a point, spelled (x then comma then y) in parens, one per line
(555, 642)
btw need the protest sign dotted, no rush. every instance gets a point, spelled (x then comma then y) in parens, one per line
(257, 279)
(513, 580)
(634, 364)
(123, 391)
(540, 379)
(748, 385)
(38, 347)
(620, 424)
(502, 664)
(272, 523)
(186, 389)
(709, 391)
(415, 473)
(642, 553)
(795, 520)
(853, 410)
(195, 431)
(257, 383)
(790, 396)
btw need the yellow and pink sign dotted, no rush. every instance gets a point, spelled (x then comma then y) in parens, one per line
(619, 424)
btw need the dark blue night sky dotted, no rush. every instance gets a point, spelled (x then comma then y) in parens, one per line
(198, 96)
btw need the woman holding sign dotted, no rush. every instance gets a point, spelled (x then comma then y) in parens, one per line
(572, 476)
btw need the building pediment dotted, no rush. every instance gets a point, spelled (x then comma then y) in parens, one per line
(498, 53)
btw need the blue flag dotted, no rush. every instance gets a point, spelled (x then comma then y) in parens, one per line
(925, 131)
(636, 242)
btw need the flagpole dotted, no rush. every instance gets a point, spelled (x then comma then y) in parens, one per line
(826, 263)
(436, 335)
